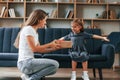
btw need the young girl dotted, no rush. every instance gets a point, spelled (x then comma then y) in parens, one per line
(78, 30)
(35, 69)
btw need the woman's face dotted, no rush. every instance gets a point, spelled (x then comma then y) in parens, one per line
(42, 23)
(75, 27)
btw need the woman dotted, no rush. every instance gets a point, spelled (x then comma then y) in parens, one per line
(35, 69)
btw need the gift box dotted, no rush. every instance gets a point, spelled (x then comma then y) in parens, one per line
(66, 44)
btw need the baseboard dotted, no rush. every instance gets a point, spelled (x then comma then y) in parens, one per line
(116, 68)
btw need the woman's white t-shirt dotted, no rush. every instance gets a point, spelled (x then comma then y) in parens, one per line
(24, 50)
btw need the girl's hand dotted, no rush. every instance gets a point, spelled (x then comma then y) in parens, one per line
(55, 45)
(105, 39)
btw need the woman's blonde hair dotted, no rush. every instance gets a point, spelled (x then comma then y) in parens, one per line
(32, 20)
(35, 16)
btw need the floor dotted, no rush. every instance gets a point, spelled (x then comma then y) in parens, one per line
(13, 73)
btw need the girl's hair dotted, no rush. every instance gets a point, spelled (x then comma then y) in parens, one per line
(35, 16)
(79, 22)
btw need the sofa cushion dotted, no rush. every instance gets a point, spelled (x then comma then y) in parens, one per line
(8, 63)
(7, 40)
(14, 56)
(97, 42)
(8, 56)
(95, 58)
(37, 55)
(13, 37)
(58, 57)
(1, 38)
(41, 33)
(66, 57)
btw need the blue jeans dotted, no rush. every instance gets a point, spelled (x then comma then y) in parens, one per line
(38, 68)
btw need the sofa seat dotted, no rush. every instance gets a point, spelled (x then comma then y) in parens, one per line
(58, 57)
(97, 58)
(66, 57)
(37, 55)
(8, 56)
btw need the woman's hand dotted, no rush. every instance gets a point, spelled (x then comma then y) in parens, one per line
(105, 39)
(56, 44)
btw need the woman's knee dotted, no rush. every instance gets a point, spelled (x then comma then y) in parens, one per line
(54, 67)
(55, 63)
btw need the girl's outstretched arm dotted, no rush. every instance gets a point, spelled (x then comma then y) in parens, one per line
(101, 37)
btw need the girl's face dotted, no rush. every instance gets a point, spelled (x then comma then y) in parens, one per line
(75, 27)
(42, 23)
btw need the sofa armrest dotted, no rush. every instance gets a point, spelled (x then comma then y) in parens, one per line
(108, 51)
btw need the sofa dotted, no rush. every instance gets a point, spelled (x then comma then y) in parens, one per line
(101, 53)
(115, 40)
